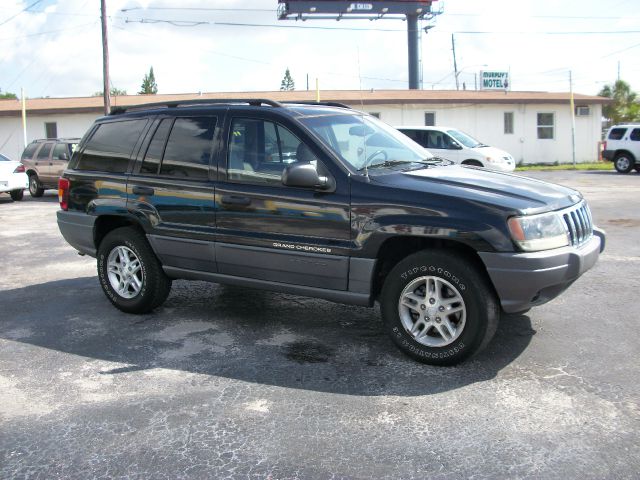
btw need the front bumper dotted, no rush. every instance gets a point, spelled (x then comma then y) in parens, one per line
(77, 230)
(524, 280)
(15, 181)
(502, 166)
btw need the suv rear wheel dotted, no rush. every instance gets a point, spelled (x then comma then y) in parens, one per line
(438, 308)
(623, 162)
(35, 187)
(130, 273)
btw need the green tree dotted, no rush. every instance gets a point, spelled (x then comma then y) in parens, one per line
(113, 91)
(287, 82)
(149, 85)
(625, 106)
(8, 96)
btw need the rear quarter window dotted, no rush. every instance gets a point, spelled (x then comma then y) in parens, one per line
(617, 133)
(29, 151)
(111, 146)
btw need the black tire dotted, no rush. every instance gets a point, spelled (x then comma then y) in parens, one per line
(459, 278)
(624, 162)
(155, 285)
(35, 187)
(17, 195)
(473, 163)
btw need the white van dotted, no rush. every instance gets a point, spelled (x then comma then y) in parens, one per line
(452, 144)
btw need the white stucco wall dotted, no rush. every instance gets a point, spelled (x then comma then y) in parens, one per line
(69, 125)
(486, 123)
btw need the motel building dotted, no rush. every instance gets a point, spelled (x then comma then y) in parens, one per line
(535, 127)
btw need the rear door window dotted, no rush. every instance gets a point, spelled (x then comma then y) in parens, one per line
(44, 152)
(617, 133)
(188, 150)
(153, 157)
(111, 146)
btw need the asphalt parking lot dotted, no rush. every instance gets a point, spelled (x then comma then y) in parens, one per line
(225, 382)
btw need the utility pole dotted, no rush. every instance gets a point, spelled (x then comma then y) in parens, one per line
(573, 121)
(455, 64)
(413, 40)
(105, 58)
(24, 116)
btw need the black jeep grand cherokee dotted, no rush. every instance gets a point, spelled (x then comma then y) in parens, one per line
(324, 201)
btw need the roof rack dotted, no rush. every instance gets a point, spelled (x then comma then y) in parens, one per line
(256, 102)
(325, 104)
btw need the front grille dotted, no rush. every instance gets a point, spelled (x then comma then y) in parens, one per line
(579, 223)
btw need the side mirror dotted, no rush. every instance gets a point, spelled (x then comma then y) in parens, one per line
(305, 175)
(456, 146)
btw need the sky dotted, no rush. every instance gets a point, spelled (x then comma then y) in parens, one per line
(53, 47)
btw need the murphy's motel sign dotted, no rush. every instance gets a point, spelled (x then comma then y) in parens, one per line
(492, 80)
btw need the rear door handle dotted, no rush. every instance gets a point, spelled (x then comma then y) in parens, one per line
(235, 200)
(147, 191)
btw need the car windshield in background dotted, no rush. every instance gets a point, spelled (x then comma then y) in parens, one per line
(464, 139)
(361, 140)
(3, 158)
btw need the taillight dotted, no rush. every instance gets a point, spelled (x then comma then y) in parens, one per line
(63, 193)
(19, 169)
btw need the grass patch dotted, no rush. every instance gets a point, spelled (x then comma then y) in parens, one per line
(567, 166)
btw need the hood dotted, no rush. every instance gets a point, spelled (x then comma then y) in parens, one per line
(492, 152)
(504, 190)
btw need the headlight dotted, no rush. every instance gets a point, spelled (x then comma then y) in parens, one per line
(539, 232)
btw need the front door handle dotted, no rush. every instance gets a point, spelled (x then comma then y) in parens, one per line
(146, 191)
(235, 200)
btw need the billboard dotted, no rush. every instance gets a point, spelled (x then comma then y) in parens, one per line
(301, 9)
(494, 80)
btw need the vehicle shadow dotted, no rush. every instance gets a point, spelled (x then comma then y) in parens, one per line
(248, 335)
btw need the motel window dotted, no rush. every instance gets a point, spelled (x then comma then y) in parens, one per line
(546, 126)
(508, 122)
(429, 119)
(51, 129)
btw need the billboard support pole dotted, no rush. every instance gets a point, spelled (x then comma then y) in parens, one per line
(414, 56)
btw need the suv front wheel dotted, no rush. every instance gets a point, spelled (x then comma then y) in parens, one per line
(438, 308)
(130, 273)
(623, 162)
(35, 187)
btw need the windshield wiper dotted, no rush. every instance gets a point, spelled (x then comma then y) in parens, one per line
(386, 163)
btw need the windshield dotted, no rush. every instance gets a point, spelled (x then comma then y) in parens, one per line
(362, 140)
(3, 158)
(464, 139)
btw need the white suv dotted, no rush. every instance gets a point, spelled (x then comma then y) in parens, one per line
(622, 147)
(458, 147)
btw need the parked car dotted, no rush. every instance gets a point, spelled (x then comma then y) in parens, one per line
(210, 190)
(45, 160)
(13, 179)
(622, 147)
(459, 147)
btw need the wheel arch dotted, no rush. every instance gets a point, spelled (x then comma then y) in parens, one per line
(107, 223)
(623, 151)
(395, 249)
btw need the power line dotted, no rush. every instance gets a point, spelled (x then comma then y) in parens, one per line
(193, 23)
(47, 32)
(21, 11)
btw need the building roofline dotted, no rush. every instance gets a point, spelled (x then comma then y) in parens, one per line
(71, 105)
